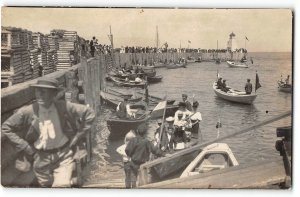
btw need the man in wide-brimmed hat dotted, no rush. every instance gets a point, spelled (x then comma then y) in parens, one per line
(46, 132)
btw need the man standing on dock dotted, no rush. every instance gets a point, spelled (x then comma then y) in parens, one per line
(248, 87)
(47, 131)
(92, 46)
(139, 149)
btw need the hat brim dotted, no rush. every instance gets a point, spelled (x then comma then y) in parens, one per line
(43, 86)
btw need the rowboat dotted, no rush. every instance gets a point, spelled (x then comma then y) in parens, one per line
(216, 156)
(198, 59)
(159, 65)
(119, 127)
(113, 99)
(130, 83)
(236, 65)
(190, 60)
(234, 95)
(174, 66)
(174, 166)
(155, 79)
(282, 87)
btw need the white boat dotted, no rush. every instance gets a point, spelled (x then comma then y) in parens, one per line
(236, 64)
(234, 95)
(216, 156)
(282, 87)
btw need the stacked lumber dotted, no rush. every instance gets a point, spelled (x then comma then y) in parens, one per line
(34, 63)
(13, 53)
(50, 67)
(67, 53)
(40, 42)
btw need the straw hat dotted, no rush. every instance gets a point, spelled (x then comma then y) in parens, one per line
(49, 83)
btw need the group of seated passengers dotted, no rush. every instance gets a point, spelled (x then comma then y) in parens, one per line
(222, 85)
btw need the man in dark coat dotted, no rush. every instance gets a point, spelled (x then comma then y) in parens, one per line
(248, 87)
(46, 133)
(139, 149)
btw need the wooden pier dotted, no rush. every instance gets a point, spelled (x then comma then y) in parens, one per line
(262, 174)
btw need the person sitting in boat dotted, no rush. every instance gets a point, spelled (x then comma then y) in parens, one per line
(287, 80)
(188, 104)
(219, 83)
(182, 115)
(224, 86)
(123, 108)
(248, 87)
(138, 79)
(196, 117)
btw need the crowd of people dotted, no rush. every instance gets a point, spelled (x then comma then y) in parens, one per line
(172, 134)
(106, 49)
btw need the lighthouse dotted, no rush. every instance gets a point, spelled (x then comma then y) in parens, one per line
(231, 44)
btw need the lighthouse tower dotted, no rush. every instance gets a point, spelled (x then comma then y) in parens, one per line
(231, 44)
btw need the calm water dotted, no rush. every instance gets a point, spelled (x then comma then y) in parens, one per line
(196, 80)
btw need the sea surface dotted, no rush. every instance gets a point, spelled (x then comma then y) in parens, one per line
(196, 81)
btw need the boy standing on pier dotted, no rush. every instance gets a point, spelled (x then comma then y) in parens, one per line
(139, 149)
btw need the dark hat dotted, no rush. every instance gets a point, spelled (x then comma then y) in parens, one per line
(182, 104)
(46, 83)
(224, 80)
(195, 104)
(185, 95)
(127, 96)
(248, 79)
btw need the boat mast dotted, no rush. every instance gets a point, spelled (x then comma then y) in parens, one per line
(112, 46)
(157, 37)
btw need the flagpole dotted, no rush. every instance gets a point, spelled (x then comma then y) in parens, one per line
(162, 124)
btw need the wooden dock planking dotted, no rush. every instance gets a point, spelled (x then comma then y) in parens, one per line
(260, 174)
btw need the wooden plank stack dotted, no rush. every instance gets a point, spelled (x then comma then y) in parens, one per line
(34, 63)
(67, 53)
(12, 70)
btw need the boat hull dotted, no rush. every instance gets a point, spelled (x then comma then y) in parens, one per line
(237, 98)
(119, 127)
(236, 65)
(284, 88)
(154, 79)
(175, 66)
(127, 84)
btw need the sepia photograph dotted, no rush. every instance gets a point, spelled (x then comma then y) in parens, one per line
(152, 98)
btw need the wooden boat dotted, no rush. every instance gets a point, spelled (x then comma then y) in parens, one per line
(159, 65)
(122, 82)
(234, 95)
(119, 127)
(113, 100)
(213, 157)
(282, 87)
(155, 79)
(236, 65)
(190, 60)
(198, 59)
(175, 66)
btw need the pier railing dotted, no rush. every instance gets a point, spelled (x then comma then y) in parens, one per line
(145, 168)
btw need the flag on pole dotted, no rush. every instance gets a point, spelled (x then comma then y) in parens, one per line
(159, 109)
(257, 84)
(166, 45)
(246, 38)
(189, 41)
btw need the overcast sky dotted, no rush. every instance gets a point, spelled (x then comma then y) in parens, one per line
(268, 30)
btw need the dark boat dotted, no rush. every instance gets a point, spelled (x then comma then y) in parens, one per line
(164, 170)
(283, 87)
(113, 100)
(130, 83)
(154, 79)
(119, 127)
